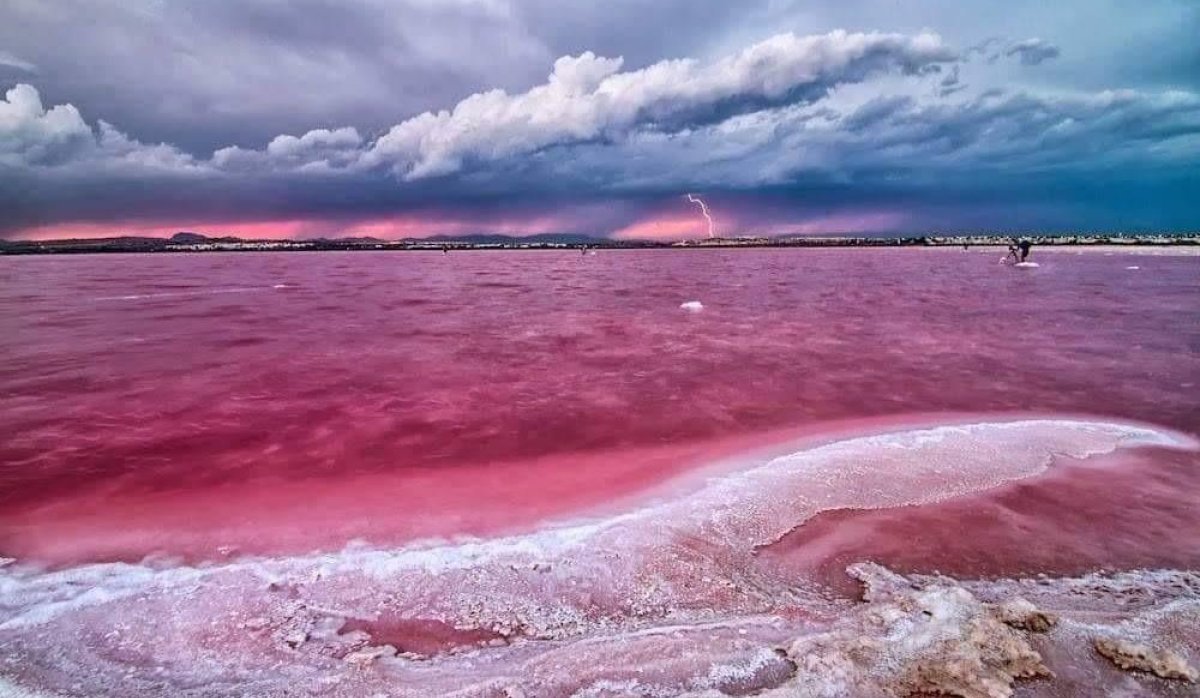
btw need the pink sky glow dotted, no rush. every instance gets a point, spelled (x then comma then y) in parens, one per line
(670, 224)
(675, 225)
(385, 228)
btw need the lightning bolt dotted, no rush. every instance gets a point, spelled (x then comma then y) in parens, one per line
(704, 210)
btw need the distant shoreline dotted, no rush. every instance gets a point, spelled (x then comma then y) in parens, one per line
(195, 243)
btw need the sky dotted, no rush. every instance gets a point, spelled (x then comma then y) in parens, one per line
(408, 118)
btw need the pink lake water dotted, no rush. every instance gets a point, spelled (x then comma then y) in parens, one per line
(451, 422)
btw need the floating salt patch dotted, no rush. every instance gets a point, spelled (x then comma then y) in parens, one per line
(692, 306)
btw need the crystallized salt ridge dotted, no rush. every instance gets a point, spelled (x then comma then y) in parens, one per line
(964, 458)
(739, 500)
(585, 604)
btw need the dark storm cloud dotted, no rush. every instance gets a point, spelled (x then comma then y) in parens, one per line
(951, 84)
(586, 97)
(1032, 51)
(364, 109)
(888, 152)
(204, 74)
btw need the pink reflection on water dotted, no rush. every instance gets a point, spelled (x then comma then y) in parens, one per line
(1121, 511)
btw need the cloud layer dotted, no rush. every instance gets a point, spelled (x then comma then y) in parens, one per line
(588, 97)
(1032, 51)
(795, 132)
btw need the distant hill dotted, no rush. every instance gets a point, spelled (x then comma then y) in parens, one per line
(186, 238)
(189, 238)
(116, 241)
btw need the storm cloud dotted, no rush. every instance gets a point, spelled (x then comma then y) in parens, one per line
(1033, 51)
(507, 116)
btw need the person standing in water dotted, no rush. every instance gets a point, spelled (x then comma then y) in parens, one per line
(1018, 252)
(1012, 257)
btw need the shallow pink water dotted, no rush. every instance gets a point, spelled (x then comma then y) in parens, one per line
(286, 402)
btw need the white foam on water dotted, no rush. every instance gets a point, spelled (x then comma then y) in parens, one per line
(188, 294)
(684, 562)
(12, 690)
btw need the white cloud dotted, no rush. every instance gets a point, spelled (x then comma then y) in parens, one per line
(316, 150)
(117, 149)
(33, 136)
(9, 60)
(587, 97)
